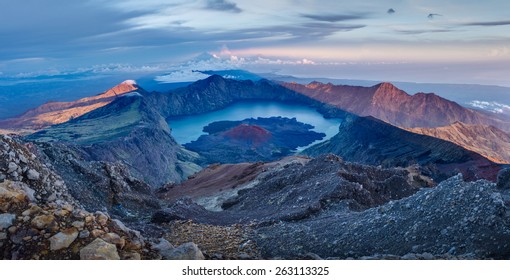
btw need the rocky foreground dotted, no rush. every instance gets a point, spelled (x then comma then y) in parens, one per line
(39, 219)
(298, 208)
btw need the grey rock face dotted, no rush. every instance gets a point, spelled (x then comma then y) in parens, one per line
(503, 179)
(472, 217)
(297, 192)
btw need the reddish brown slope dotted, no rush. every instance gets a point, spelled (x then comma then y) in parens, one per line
(58, 112)
(390, 104)
(487, 141)
(252, 134)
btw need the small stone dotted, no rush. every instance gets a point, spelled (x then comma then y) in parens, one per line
(12, 167)
(131, 256)
(32, 174)
(452, 251)
(134, 245)
(23, 159)
(13, 229)
(52, 197)
(68, 207)
(63, 239)
(101, 218)
(33, 210)
(78, 224)
(244, 256)
(89, 219)
(43, 221)
(6, 220)
(187, 251)
(61, 213)
(97, 232)
(99, 250)
(409, 257)
(7, 193)
(115, 239)
(84, 234)
(3, 235)
(427, 256)
(162, 246)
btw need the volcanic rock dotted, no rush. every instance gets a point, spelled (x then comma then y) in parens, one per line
(99, 250)
(63, 239)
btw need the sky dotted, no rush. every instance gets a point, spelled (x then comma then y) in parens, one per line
(450, 41)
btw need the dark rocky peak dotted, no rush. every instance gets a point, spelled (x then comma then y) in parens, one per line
(211, 81)
(314, 84)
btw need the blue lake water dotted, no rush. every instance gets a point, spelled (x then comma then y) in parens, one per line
(187, 129)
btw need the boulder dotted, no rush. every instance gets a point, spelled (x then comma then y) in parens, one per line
(187, 251)
(32, 174)
(99, 250)
(43, 221)
(63, 239)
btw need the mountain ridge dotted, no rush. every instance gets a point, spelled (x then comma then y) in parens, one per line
(487, 141)
(388, 103)
(371, 141)
(52, 112)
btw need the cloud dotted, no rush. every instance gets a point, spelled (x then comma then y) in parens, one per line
(51, 28)
(421, 31)
(494, 107)
(222, 60)
(222, 5)
(499, 52)
(334, 18)
(179, 76)
(488, 23)
(390, 11)
(298, 32)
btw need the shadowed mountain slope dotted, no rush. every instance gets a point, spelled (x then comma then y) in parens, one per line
(371, 141)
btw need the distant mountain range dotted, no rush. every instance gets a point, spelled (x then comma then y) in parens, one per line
(52, 113)
(390, 104)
